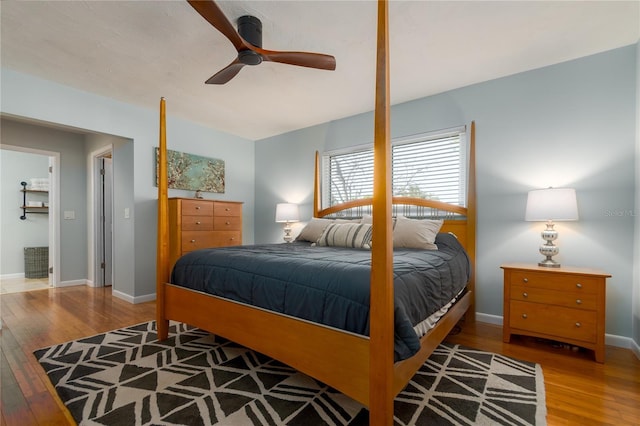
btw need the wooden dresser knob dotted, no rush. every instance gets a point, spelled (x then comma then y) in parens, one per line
(197, 207)
(579, 285)
(193, 241)
(524, 316)
(198, 223)
(525, 295)
(526, 280)
(227, 223)
(578, 324)
(579, 302)
(227, 209)
(232, 238)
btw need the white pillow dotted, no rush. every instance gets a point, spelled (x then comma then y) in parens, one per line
(352, 235)
(313, 230)
(416, 233)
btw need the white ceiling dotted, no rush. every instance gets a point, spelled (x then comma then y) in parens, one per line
(138, 51)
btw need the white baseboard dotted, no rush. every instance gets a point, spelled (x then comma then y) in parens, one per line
(609, 339)
(134, 299)
(71, 283)
(10, 276)
(488, 318)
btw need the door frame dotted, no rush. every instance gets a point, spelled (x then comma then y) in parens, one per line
(94, 217)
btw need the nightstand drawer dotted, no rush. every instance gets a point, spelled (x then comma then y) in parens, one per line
(555, 281)
(556, 321)
(571, 299)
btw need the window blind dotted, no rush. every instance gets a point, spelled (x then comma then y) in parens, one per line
(430, 165)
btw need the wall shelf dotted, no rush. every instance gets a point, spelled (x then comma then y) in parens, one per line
(27, 209)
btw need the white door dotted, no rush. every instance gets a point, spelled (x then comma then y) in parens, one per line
(105, 225)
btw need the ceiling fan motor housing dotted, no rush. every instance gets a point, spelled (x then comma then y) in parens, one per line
(250, 29)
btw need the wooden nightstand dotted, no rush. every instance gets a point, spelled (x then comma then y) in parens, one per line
(565, 304)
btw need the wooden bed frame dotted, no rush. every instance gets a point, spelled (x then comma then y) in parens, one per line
(359, 366)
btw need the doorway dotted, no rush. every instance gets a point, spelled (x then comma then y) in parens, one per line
(103, 195)
(33, 227)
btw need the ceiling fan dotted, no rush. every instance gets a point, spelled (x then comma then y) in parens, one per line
(248, 42)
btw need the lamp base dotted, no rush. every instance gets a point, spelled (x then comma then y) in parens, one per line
(549, 249)
(549, 263)
(287, 233)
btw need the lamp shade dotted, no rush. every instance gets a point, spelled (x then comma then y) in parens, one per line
(555, 204)
(287, 212)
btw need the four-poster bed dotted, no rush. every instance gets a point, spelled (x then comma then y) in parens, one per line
(359, 366)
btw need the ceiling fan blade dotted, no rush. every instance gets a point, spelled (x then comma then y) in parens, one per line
(226, 74)
(210, 11)
(303, 59)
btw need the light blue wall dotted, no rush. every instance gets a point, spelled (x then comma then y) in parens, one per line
(41, 100)
(571, 124)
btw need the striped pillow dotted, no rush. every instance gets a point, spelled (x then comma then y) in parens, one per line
(353, 235)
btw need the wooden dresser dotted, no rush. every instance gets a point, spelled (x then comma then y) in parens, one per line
(564, 304)
(197, 223)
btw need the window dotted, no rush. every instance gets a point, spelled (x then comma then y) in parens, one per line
(429, 165)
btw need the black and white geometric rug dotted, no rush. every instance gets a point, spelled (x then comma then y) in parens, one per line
(127, 377)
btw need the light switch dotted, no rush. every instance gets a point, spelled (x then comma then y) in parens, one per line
(127, 215)
(69, 214)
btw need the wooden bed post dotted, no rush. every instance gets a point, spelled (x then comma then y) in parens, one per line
(381, 373)
(162, 257)
(471, 220)
(316, 187)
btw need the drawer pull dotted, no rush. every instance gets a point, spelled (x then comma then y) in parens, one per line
(232, 238)
(227, 223)
(526, 280)
(198, 223)
(197, 207)
(579, 302)
(525, 295)
(578, 325)
(227, 209)
(579, 285)
(193, 241)
(524, 316)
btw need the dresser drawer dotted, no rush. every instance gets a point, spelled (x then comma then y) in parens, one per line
(195, 240)
(197, 207)
(228, 223)
(556, 321)
(570, 299)
(227, 238)
(227, 209)
(197, 223)
(555, 281)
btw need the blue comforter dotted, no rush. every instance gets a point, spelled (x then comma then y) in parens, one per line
(330, 285)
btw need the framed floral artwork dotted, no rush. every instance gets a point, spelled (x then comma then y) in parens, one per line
(193, 172)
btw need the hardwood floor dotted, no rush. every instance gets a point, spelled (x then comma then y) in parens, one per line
(20, 285)
(37, 319)
(579, 391)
